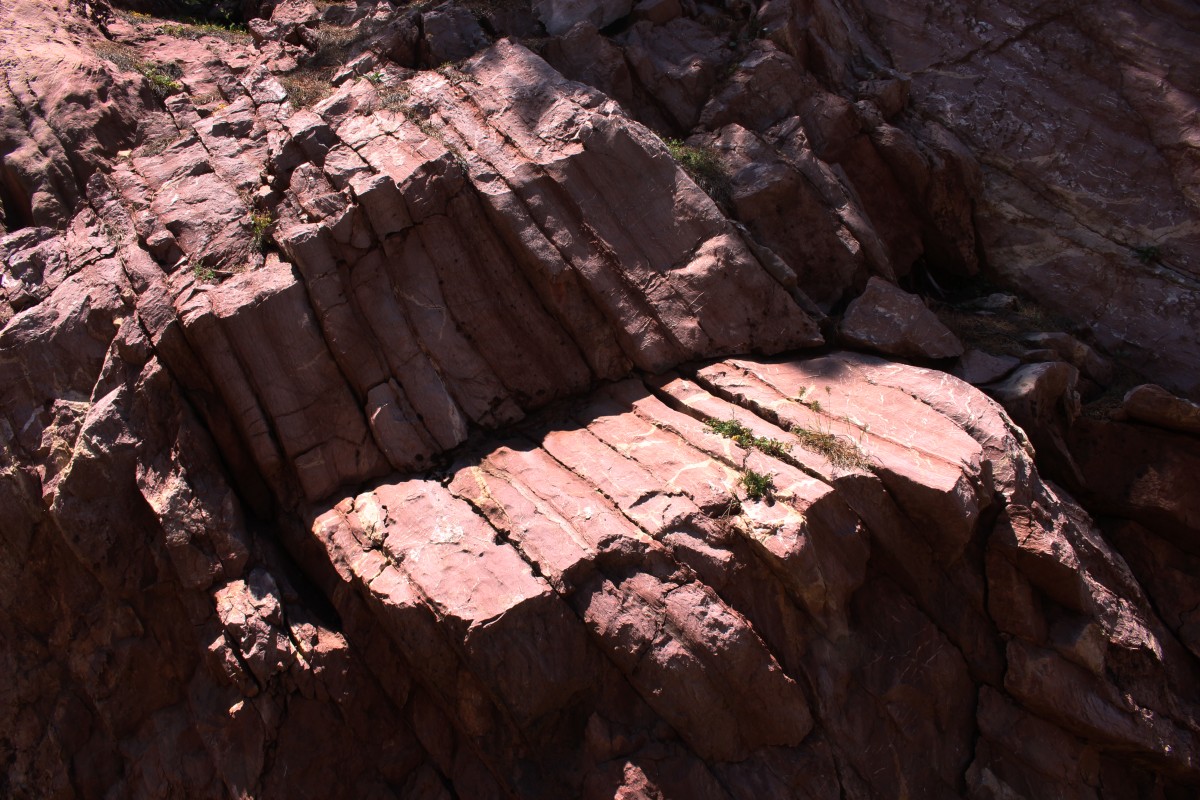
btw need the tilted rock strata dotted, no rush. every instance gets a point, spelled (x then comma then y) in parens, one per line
(1052, 148)
(532, 268)
(241, 338)
(622, 532)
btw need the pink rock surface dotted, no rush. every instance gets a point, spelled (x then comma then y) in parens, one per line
(891, 321)
(432, 413)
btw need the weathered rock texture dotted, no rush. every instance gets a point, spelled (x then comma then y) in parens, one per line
(376, 426)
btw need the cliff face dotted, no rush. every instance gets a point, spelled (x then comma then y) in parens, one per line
(456, 401)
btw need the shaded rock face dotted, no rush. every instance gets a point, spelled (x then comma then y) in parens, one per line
(368, 430)
(1116, 219)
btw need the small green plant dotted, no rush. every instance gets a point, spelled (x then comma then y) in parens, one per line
(757, 484)
(1147, 253)
(163, 77)
(729, 428)
(163, 85)
(772, 447)
(204, 274)
(376, 77)
(732, 429)
(702, 164)
(260, 224)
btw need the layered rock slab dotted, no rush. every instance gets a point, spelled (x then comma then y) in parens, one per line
(623, 525)
(995, 615)
(475, 254)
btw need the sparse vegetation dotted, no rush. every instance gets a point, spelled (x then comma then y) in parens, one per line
(454, 75)
(729, 428)
(732, 429)
(1001, 331)
(260, 225)
(163, 77)
(757, 484)
(307, 85)
(195, 29)
(158, 145)
(204, 274)
(839, 451)
(124, 57)
(312, 82)
(331, 45)
(191, 19)
(392, 97)
(702, 164)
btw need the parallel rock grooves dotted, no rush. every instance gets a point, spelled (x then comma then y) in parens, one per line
(592, 606)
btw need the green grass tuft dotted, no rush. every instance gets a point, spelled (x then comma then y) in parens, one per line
(1147, 253)
(260, 224)
(757, 485)
(702, 164)
(204, 274)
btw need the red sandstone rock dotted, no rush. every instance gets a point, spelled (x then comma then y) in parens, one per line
(1020, 93)
(1090, 363)
(977, 367)
(1139, 472)
(891, 321)
(1155, 405)
(558, 17)
(229, 524)
(1043, 400)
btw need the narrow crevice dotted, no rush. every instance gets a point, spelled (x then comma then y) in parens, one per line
(994, 47)
(16, 215)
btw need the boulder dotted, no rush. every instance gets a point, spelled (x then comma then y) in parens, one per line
(1155, 405)
(451, 33)
(978, 367)
(889, 320)
(1066, 347)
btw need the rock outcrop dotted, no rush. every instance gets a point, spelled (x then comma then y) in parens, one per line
(377, 426)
